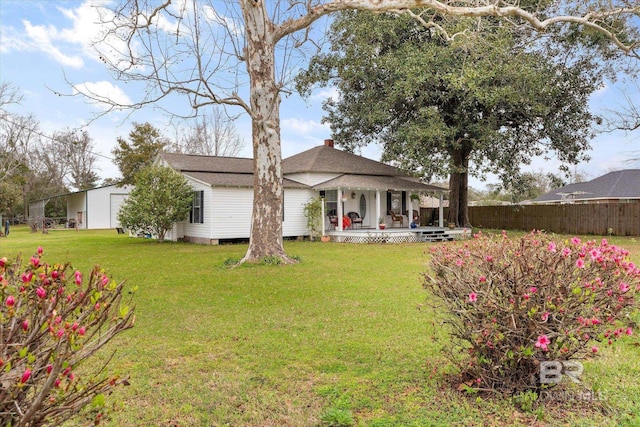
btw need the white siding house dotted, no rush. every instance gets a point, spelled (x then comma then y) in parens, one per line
(223, 192)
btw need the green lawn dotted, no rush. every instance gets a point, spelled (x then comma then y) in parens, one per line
(344, 330)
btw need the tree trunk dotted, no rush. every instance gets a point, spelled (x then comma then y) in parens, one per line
(266, 221)
(458, 186)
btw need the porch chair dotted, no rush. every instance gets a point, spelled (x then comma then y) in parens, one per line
(396, 218)
(333, 222)
(355, 219)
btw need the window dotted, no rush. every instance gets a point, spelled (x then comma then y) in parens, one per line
(396, 202)
(331, 202)
(197, 215)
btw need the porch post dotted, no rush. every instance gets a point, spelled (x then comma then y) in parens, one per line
(377, 209)
(324, 231)
(409, 210)
(441, 211)
(340, 213)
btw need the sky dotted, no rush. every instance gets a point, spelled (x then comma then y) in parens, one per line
(45, 46)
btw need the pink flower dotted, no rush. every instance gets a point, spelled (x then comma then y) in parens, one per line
(49, 369)
(545, 316)
(543, 342)
(483, 279)
(41, 292)
(575, 241)
(39, 250)
(489, 258)
(473, 297)
(11, 301)
(26, 277)
(566, 252)
(35, 261)
(459, 262)
(3, 261)
(55, 274)
(60, 333)
(25, 376)
(623, 287)
(594, 349)
(580, 263)
(629, 331)
(533, 289)
(525, 296)
(25, 325)
(551, 247)
(82, 330)
(78, 278)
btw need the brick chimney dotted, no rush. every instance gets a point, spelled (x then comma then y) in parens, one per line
(328, 143)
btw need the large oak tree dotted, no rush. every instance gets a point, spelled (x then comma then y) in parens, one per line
(490, 99)
(218, 52)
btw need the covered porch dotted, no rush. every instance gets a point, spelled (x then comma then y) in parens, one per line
(385, 204)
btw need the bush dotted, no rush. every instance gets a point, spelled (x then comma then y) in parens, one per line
(52, 320)
(512, 303)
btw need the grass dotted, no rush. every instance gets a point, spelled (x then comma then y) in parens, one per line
(342, 337)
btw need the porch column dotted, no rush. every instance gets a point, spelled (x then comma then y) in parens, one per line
(409, 209)
(340, 212)
(378, 209)
(441, 211)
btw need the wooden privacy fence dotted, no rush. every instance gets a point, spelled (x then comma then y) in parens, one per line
(620, 219)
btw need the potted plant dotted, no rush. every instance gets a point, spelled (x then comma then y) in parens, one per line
(381, 222)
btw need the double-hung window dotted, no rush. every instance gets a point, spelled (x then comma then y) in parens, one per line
(196, 215)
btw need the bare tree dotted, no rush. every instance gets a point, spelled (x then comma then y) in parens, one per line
(198, 50)
(80, 165)
(18, 134)
(213, 135)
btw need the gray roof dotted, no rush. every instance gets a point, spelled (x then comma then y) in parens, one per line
(331, 160)
(367, 182)
(197, 163)
(235, 179)
(624, 184)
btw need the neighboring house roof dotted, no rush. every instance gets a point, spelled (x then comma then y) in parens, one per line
(368, 182)
(325, 159)
(624, 184)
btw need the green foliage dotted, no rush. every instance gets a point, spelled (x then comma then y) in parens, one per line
(313, 212)
(337, 417)
(525, 400)
(161, 197)
(489, 96)
(52, 321)
(145, 143)
(512, 303)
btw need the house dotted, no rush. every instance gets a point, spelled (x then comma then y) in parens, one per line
(223, 193)
(615, 187)
(87, 209)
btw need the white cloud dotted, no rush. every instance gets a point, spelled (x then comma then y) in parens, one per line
(326, 93)
(105, 91)
(42, 38)
(303, 126)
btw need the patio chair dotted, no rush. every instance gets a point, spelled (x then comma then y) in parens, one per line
(396, 218)
(355, 219)
(333, 222)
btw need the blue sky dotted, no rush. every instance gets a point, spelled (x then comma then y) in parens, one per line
(45, 43)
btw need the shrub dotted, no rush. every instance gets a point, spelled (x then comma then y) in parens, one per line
(52, 320)
(512, 303)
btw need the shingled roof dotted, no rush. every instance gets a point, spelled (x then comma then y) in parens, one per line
(624, 184)
(219, 171)
(331, 160)
(197, 163)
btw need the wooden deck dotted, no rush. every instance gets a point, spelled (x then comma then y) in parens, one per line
(398, 235)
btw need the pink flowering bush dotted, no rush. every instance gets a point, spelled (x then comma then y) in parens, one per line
(512, 303)
(52, 320)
